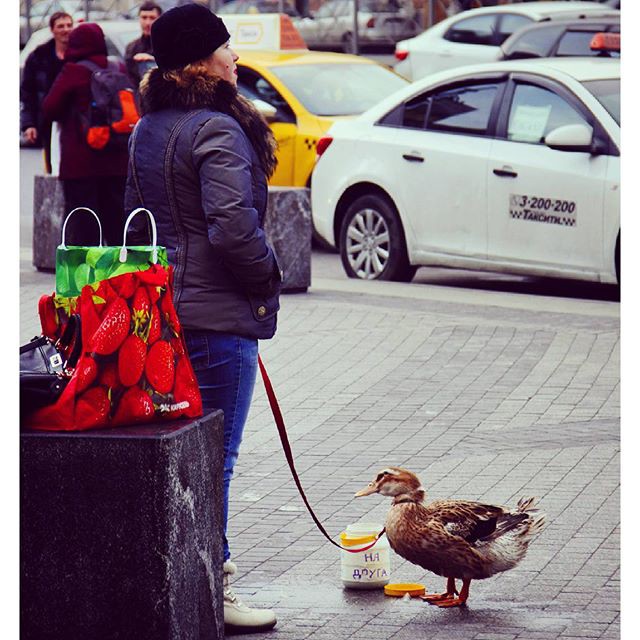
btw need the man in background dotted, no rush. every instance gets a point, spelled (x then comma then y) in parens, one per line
(40, 70)
(138, 56)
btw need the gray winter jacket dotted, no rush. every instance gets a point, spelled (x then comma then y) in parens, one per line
(193, 165)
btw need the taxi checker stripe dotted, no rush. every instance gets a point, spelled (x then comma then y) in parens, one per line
(282, 432)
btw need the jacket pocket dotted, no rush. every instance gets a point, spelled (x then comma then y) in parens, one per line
(264, 308)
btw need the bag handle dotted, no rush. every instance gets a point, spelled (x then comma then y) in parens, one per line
(154, 235)
(64, 226)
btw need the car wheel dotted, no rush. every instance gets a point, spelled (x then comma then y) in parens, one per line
(372, 244)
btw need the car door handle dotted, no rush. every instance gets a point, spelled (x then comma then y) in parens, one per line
(505, 172)
(411, 157)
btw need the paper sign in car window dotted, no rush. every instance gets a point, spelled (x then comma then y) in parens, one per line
(528, 123)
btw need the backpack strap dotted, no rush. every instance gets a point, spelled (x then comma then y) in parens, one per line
(113, 65)
(92, 66)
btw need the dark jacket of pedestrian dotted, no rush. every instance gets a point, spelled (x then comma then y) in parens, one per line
(70, 95)
(140, 45)
(200, 159)
(208, 194)
(40, 70)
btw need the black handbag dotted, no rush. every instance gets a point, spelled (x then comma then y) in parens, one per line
(46, 367)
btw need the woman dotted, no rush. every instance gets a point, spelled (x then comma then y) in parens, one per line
(90, 178)
(200, 159)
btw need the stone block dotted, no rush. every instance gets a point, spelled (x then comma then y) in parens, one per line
(48, 216)
(121, 532)
(287, 226)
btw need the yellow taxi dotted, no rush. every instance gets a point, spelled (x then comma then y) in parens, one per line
(301, 92)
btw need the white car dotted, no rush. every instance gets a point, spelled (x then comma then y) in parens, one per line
(380, 22)
(475, 36)
(508, 166)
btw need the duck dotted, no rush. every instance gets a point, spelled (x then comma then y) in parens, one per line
(456, 539)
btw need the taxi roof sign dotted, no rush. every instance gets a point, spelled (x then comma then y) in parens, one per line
(605, 41)
(270, 31)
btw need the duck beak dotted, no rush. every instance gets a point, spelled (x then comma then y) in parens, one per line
(367, 491)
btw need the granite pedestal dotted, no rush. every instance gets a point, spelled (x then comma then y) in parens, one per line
(48, 216)
(287, 226)
(121, 533)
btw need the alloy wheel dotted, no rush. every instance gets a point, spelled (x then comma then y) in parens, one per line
(368, 244)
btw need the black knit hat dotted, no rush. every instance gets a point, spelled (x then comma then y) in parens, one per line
(186, 34)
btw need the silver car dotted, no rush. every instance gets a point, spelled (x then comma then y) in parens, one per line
(380, 22)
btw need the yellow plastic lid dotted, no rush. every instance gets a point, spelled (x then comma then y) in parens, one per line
(354, 541)
(399, 589)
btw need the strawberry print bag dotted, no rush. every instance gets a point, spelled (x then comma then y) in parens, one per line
(134, 365)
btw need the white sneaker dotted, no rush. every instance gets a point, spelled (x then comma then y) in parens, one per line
(237, 616)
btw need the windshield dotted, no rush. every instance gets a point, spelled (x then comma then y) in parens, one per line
(607, 92)
(339, 89)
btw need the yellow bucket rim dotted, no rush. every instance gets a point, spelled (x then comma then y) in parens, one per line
(399, 589)
(351, 541)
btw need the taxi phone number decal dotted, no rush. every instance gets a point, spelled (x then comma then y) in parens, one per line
(549, 210)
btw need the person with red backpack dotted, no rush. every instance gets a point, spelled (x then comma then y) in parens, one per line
(93, 138)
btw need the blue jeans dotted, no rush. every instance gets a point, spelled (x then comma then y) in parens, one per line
(225, 366)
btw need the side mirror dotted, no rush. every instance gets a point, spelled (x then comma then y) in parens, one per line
(266, 109)
(571, 137)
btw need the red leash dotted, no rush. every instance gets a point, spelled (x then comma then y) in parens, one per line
(282, 432)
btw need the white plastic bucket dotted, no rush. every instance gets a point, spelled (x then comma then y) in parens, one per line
(370, 569)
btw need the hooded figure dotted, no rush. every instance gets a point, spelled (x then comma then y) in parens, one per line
(91, 178)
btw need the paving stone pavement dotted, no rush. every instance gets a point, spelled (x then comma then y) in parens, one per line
(483, 402)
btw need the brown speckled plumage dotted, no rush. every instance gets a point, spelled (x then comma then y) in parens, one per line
(454, 538)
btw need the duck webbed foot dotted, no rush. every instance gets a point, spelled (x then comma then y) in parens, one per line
(460, 601)
(450, 593)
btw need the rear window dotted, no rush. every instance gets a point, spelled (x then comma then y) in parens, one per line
(607, 93)
(339, 89)
(578, 43)
(534, 43)
(462, 110)
(476, 30)
(509, 24)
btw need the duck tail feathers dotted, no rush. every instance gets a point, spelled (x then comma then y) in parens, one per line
(537, 524)
(526, 504)
(508, 544)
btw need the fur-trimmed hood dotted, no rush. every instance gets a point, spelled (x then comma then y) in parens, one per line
(159, 91)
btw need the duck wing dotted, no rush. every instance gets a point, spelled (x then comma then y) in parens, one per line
(471, 521)
(432, 539)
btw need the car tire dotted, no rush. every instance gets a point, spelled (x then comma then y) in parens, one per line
(372, 243)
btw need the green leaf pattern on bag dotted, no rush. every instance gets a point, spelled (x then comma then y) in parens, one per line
(79, 266)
